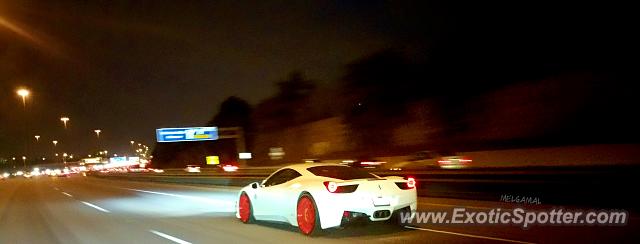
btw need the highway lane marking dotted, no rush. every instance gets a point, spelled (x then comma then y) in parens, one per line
(469, 235)
(96, 207)
(451, 205)
(67, 194)
(174, 239)
(56, 188)
(201, 199)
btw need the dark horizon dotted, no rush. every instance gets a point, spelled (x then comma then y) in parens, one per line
(129, 68)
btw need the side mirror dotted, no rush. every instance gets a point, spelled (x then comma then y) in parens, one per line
(254, 185)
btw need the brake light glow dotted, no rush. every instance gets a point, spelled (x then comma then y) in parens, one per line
(331, 186)
(411, 182)
(230, 168)
(335, 188)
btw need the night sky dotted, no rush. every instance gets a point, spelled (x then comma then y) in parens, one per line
(128, 67)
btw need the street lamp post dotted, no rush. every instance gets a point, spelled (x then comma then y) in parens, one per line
(65, 137)
(54, 149)
(97, 138)
(64, 121)
(37, 147)
(24, 93)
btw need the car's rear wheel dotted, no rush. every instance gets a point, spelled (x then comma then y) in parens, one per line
(307, 216)
(398, 216)
(245, 209)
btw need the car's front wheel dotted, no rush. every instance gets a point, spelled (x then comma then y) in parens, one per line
(245, 209)
(307, 215)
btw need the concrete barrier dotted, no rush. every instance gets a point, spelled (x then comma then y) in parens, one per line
(588, 186)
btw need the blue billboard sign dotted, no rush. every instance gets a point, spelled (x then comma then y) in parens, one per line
(187, 134)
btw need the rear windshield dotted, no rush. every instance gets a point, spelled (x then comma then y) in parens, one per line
(340, 172)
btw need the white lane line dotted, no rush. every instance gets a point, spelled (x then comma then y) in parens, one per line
(56, 188)
(200, 199)
(171, 238)
(96, 207)
(67, 194)
(451, 205)
(469, 235)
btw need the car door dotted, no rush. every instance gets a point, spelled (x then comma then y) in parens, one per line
(276, 193)
(260, 205)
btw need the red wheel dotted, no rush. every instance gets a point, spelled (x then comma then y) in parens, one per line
(307, 214)
(244, 208)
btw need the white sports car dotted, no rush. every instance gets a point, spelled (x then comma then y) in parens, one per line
(317, 196)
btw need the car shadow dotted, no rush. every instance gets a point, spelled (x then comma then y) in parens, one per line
(353, 230)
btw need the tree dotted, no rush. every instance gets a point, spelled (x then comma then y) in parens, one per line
(377, 89)
(295, 87)
(288, 105)
(233, 112)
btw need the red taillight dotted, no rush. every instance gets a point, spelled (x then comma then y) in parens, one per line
(334, 188)
(444, 161)
(331, 186)
(411, 182)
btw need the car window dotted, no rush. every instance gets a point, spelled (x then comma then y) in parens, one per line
(340, 172)
(281, 176)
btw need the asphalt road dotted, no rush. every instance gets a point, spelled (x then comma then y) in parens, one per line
(90, 210)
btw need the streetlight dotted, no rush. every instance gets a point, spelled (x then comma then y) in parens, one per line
(97, 131)
(24, 161)
(64, 121)
(54, 148)
(24, 93)
(37, 140)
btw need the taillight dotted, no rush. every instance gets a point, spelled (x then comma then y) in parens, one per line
(411, 182)
(331, 186)
(444, 161)
(334, 188)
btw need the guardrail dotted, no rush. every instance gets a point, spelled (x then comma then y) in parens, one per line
(589, 186)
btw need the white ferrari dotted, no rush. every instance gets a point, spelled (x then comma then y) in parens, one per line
(317, 196)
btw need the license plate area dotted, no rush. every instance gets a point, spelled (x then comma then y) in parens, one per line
(381, 201)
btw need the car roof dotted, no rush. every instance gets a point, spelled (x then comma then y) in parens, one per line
(302, 168)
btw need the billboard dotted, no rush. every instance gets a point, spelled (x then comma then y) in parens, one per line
(187, 134)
